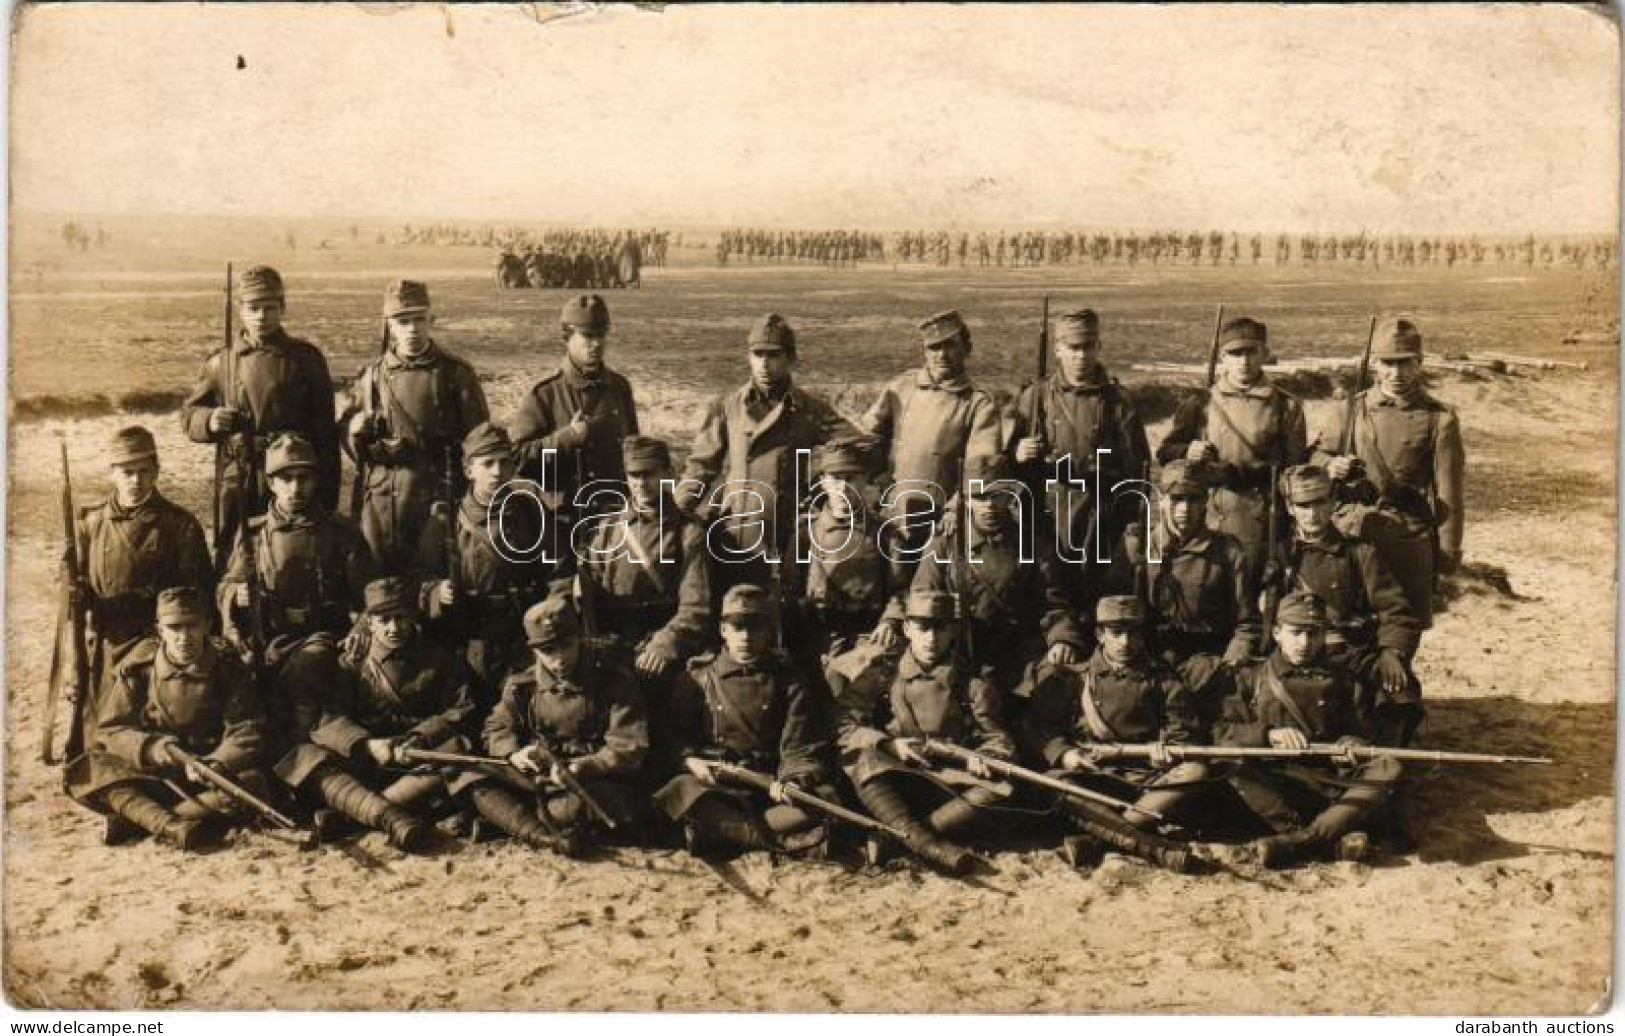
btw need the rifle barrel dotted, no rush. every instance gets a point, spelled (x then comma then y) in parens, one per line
(1213, 349)
(221, 782)
(949, 750)
(762, 782)
(1321, 751)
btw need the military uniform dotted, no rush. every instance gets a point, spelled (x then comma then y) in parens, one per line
(850, 584)
(280, 385)
(413, 413)
(1256, 429)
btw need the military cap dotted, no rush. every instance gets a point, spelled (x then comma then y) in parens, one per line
(1242, 332)
(180, 604)
(487, 440)
(841, 457)
(406, 297)
(930, 605)
(586, 313)
(258, 283)
(1119, 610)
(551, 621)
(773, 332)
(391, 595)
(1305, 482)
(1397, 339)
(943, 327)
(990, 468)
(644, 453)
(131, 444)
(745, 599)
(1300, 608)
(289, 451)
(1079, 327)
(1182, 476)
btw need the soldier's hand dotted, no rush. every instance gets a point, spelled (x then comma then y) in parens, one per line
(977, 767)
(903, 749)
(159, 755)
(380, 750)
(1061, 654)
(885, 634)
(1201, 451)
(556, 772)
(1391, 669)
(699, 768)
(397, 749)
(1157, 755)
(445, 594)
(652, 660)
(241, 599)
(776, 791)
(1076, 759)
(1348, 744)
(1237, 653)
(224, 419)
(1029, 449)
(192, 770)
(526, 762)
(1340, 469)
(1290, 738)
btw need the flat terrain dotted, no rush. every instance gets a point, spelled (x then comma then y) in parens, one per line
(1506, 908)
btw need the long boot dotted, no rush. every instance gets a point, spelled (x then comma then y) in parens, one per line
(513, 815)
(890, 808)
(350, 797)
(713, 828)
(414, 789)
(1112, 830)
(147, 813)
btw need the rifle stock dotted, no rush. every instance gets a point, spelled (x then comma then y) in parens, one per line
(762, 782)
(74, 615)
(1351, 407)
(570, 781)
(220, 447)
(947, 750)
(231, 789)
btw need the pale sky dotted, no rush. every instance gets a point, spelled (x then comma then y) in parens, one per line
(1426, 118)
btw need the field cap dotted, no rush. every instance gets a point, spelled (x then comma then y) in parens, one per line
(841, 457)
(930, 606)
(404, 298)
(1301, 608)
(551, 621)
(644, 453)
(772, 333)
(258, 283)
(744, 600)
(289, 451)
(1242, 333)
(1079, 327)
(1183, 478)
(391, 595)
(487, 440)
(180, 604)
(588, 314)
(1119, 610)
(1304, 483)
(992, 469)
(1397, 339)
(131, 444)
(943, 327)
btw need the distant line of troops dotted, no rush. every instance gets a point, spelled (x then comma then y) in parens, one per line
(656, 643)
(613, 263)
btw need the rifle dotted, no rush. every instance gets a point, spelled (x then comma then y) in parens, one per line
(762, 782)
(358, 483)
(220, 447)
(1043, 343)
(1351, 407)
(1213, 350)
(1272, 591)
(73, 614)
(1320, 751)
(232, 790)
(947, 750)
(570, 781)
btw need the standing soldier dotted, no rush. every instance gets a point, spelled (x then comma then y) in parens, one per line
(1246, 429)
(178, 690)
(271, 383)
(572, 708)
(405, 426)
(582, 410)
(927, 422)
(1407, 447)
(132, 545)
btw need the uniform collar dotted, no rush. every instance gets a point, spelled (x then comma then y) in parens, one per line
(1100, 666)
(1196, 543)
(165, 669)
(273, 342)
(957, 386)
(727, 666)
(1262, 390)
(566, 683)
(276, 518)
(1414, 401)
(575, 375)
(1094, 380)
(1284, 669)
(911, 668)
(1328, 542)
(757, 396)
(429, 358)
(119, 514)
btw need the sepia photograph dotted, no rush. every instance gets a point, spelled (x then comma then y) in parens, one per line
(840, 509)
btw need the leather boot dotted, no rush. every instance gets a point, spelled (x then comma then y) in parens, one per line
(889, 807)
(353, 799)
(713, 828)
(511, 814)
(414, 789)
(1113, 831)
(1278, 851)
(147, 813)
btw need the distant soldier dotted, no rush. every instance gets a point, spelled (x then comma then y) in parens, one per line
(1293, 699)
(177, 690)
(405, 426)
(571, 708)
(747, 706)
(132, 545)
(1123, 694)
(1246, 430)
(1404, 485)
(272, 384)
(582, 410)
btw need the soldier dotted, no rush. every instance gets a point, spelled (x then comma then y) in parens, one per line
(1246, 429)
(404, 690)
(750, 707)
(175, 690)
(928, 421)
(744, 461)
(477, 598)
(404, 428)
(291, 587)
(1123, 694)
(570, 708)
(1292, 699)
(1075, 413)
(1404, 482)
(132, 545)
(1370, 630)
(582, 410)
(272, 383)
(881, 716)
(1012, 607)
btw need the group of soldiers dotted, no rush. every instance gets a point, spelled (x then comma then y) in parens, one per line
(924, 629)
(615, 263)
(830, 247)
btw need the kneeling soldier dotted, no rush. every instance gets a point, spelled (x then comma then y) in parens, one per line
(747, 706)
(572, 709)
(1287, 701)
(930, 694)
(178, 690)
(1122, 695)
(406, 691)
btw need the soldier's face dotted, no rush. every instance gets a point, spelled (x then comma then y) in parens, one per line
(1121, 644)
(393, 630)
(990, 511)
(560, 656)
(1300, 645)
(946, 360)
(1398, 377)
(929, 640)
(1312, 517)
(841, 496)
(260, 317)
(133, 482)
(183, 640)
(746, 637)
(1185, 512)
(769, 368)
(294, 489)
(645, 488)
(1077, 360)
(586, 349)
(1243, 366)
(487, 474)
(409, 332)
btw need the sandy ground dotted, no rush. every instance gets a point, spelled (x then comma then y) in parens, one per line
(1506, 908)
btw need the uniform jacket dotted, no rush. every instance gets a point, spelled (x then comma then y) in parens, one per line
(659, 585)
(1077, 420)
(130, 555)
(1361, 595)
(1200, 586)
(847, 572)
(493, 591)
(1325, 705)
(927, 429)
(1008, 600)
(1132, 705)
(543, 423)
(595, 716)
(421, 689)
(764, 715)
(312, 569)
(1251, 428)
(427, 403)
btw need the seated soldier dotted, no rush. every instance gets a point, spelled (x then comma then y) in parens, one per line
(574, 707)
(1294, 698)
(405, 691)
(1122, 695)
(178, 690)
(882, 715)
(747, 706)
